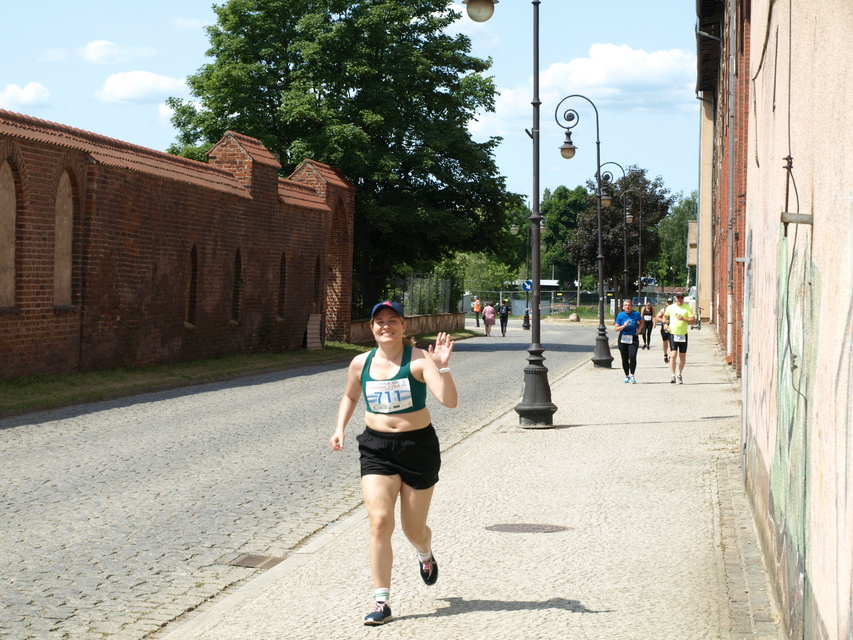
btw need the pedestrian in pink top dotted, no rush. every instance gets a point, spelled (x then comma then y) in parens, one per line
(489, 318)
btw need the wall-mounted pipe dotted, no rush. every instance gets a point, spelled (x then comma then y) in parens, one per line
(730, 288)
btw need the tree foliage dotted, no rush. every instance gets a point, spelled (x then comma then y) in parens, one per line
(561, 210)
(648, 201)
(485, 272)
(670, 266)
(376, 88)
(499, 266)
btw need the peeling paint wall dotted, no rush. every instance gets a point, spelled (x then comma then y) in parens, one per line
(842, 414)
(798, 396)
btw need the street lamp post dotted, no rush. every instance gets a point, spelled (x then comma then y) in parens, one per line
(640, 250)
(630, 219)
(514, 231)
(601, 355)
(625, 222)
(607, 179)
(535, 408)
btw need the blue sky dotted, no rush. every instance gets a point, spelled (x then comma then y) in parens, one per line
(108, 67)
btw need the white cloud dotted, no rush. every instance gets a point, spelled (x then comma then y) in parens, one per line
(188, 23)
(621, 77)
(165, 112)
(164, 115)
(511, 115)
(139, 87)
(106, 52)
(33, 95)
(54, 55)
(99, 52)
(612, 76)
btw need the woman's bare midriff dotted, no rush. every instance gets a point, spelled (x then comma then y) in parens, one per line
(396, 423)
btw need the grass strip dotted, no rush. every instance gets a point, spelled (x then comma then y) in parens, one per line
(30, 393)
(582, 312)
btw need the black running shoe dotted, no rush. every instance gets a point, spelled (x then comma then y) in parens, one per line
(429, 570)
(380, 615)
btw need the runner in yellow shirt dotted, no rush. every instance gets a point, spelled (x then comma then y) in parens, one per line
(678, 318)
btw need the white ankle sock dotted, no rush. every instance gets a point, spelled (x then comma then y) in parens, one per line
(383, 594)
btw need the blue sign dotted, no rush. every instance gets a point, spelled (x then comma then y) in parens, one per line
(527, 285)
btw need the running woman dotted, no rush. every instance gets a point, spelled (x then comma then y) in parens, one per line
(399, 450)
(629, 324)
(664, 334)
(648, 314)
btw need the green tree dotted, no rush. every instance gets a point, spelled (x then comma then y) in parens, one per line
(561, 210)
(650, 203)
(670, 265)
(376, 88)
(483, 271)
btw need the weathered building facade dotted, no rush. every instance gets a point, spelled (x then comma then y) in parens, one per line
(117, 255)
(776, 214)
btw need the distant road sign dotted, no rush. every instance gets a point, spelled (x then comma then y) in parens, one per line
(527, 285)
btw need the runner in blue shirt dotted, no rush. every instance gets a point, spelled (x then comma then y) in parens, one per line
(629, 324)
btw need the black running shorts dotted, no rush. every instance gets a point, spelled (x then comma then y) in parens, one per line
(677, 346)
(413, 455)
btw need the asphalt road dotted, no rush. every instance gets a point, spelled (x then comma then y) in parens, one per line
(120, 516)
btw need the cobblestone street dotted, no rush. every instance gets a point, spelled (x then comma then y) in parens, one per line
(120, 516)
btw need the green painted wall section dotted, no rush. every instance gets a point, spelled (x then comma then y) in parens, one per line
(798, 287)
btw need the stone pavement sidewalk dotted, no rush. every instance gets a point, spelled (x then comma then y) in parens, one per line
(625, 521)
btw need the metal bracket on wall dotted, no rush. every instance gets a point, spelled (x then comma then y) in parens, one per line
(708, 35)
(797, 218)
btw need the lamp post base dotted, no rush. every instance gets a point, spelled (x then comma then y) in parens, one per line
(526, 323)
(601, 355)
(533, 418)
(536, 411)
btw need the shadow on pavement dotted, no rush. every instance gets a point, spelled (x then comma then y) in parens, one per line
(516, 347)
(459, 606)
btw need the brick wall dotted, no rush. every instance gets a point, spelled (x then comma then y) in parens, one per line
(36, 336)
(730, 214)
(340, 196)
(138, 215)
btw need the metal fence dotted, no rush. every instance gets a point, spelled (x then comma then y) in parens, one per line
(551, 301)
(421, 294)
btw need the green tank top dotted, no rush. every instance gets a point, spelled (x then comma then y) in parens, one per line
(401, 394)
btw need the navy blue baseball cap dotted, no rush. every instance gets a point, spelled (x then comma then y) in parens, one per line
(396, 308)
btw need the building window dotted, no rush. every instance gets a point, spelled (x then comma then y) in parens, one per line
(8, 216)
(192, 293)
(62, 242)
(237, 289)
(282, 287)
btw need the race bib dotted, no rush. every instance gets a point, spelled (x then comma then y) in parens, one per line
(676, 338)
(626, 339)
(388, 396)
(647, 318)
